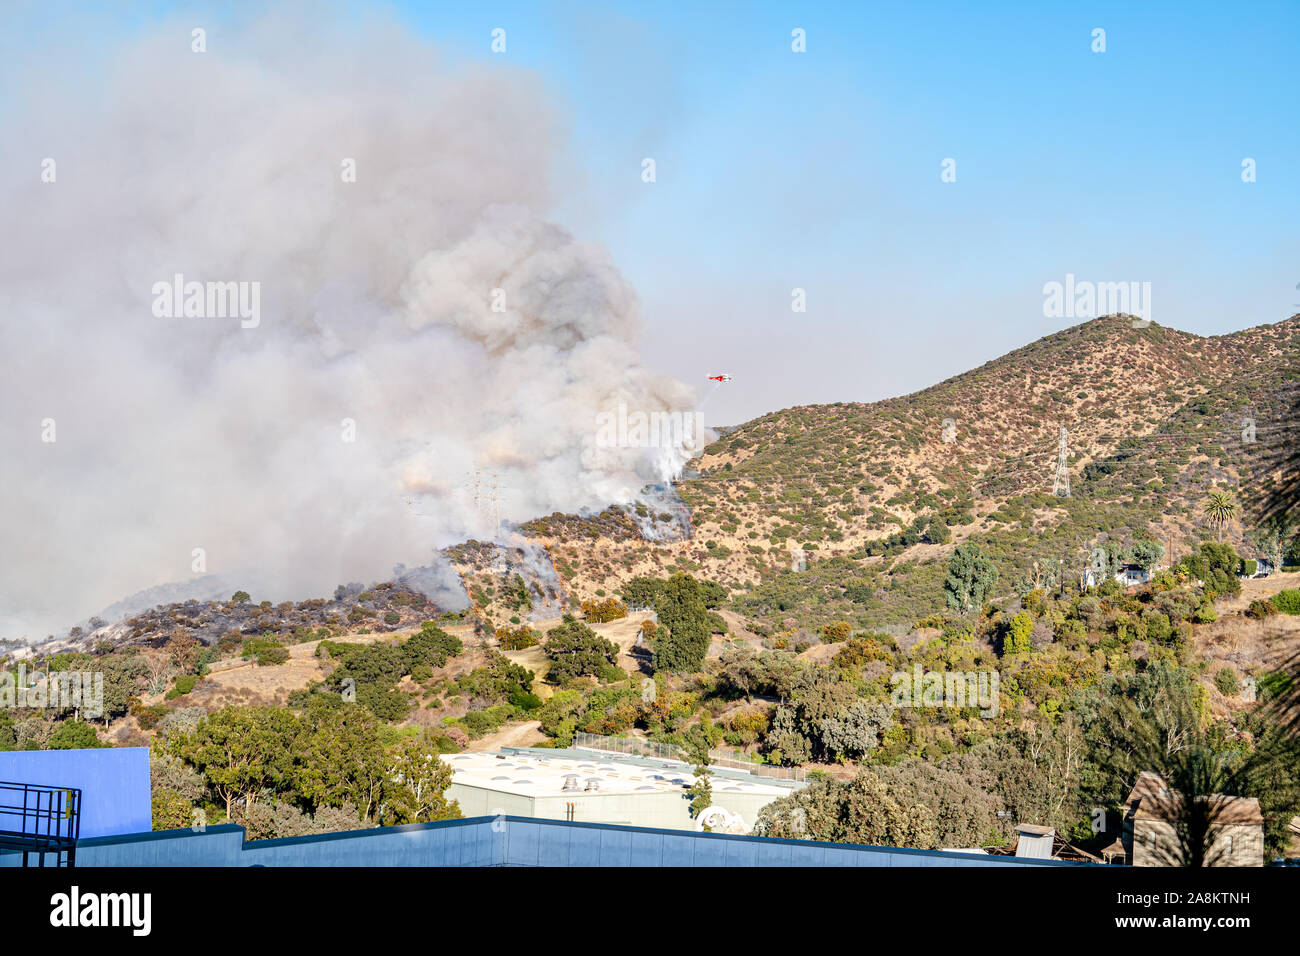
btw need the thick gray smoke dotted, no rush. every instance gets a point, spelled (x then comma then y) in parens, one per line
(377, 320)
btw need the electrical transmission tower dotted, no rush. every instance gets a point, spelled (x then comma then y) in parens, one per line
(1061, 487)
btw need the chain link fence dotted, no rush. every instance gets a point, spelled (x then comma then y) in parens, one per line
(632, 746)
(636, 747)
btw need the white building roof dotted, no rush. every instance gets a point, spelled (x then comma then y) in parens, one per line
(545, 776)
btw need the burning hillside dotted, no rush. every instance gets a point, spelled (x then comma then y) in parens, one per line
(419, 320)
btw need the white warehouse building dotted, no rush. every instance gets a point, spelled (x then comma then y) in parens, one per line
(594, 787)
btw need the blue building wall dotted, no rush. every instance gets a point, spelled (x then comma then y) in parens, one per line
(500, 841)
(114, 784)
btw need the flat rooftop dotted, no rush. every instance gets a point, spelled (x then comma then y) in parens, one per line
(538, 774)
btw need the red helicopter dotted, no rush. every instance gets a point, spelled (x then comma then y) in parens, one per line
(724, 377)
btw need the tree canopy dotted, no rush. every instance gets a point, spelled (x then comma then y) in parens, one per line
(970, 578)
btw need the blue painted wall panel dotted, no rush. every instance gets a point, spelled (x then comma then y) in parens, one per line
(647, 850)
(615, 847)
(114, 783)
(584, 849)
(710, 853)
(519, 842)
(524, 846)
(773, 854)
(810, 855)
(742, 854)
(679, 850)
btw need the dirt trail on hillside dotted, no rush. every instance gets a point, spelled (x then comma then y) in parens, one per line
(737, 625)
(622, 632)
(237, 681)
(516, 735)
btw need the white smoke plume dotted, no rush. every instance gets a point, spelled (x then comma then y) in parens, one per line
(176, 434)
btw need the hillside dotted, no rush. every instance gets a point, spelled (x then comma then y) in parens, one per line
(874, 498)
(1154, 419)
(795, 664)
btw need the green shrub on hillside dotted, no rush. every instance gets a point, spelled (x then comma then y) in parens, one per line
(1261, 609)
(1287, 601)
(1226, 681)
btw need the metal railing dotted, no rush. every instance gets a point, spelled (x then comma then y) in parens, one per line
(726, 759)
(40, 819)
(632, 746)
(731, 760)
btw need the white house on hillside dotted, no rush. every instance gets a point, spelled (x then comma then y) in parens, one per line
(1263, 568)
(1129, 575)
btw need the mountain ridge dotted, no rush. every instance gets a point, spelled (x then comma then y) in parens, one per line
(870, 498)
(1149, 414)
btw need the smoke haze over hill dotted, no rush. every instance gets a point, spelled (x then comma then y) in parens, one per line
(376, 324)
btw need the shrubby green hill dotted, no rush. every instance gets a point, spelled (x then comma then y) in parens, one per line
(840, 557)
(876, 499)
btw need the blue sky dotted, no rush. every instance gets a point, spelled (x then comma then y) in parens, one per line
(821, 170)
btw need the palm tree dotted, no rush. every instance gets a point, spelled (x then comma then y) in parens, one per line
(1220, 508)
(1199, 769)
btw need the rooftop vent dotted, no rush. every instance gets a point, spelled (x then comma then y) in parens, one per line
(570, 782)
(593, 783)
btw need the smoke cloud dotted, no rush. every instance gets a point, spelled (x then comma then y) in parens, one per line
(418, 326)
